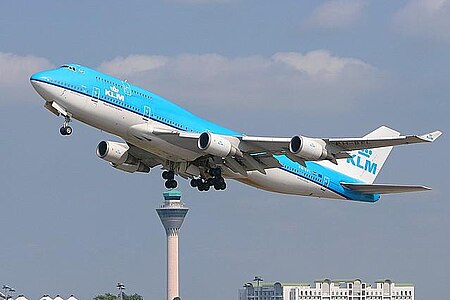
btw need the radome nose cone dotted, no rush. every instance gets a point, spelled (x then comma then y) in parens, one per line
(39, 83)
(40, 76)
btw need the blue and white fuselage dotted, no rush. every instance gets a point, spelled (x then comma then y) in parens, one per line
(164, 132)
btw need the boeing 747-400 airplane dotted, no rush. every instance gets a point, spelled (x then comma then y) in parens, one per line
(158, 132)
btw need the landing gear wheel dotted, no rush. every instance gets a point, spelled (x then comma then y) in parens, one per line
(167, 184)
(220, 186)
(168, 175)
(68, 130)
(171, 184)
(65, 130)
(203, 186)
(195, 182)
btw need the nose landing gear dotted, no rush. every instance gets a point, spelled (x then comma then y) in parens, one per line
(66, 129)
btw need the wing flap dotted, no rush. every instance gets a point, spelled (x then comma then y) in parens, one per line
(383, 188)
(146, 157)
(274, 145)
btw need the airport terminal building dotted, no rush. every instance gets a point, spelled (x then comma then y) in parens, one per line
(327, 289)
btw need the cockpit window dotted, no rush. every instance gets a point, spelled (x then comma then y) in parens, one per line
(68, 67)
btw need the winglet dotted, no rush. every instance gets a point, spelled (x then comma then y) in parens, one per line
(431, 137)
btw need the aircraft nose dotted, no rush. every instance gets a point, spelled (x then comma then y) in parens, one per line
(39, 81)
(40, 76)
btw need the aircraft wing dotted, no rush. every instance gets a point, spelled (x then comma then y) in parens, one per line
(274, 145)
(256, 153)
(281, 145)
(351, 144)
(336, 147)
(146, 157)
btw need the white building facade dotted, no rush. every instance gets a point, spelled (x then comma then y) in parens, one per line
(327, 289)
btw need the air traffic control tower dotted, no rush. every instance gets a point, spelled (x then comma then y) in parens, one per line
(172, 213)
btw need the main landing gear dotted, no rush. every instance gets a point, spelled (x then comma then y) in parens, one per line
(66, 129)
(203, 184)
(216, 180)
(169, 176)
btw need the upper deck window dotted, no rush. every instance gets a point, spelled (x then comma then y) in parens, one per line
(69, 67)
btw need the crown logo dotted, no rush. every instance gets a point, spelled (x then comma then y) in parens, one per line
(365, 152)
(114, 89)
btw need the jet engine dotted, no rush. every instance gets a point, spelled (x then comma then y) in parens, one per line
(216, 145)
(307, 148)
(118, 156)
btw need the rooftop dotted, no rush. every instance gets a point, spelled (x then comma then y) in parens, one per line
(271, 284)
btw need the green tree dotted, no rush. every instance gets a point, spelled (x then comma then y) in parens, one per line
(106, 296)
(109, 296)
(133, 297)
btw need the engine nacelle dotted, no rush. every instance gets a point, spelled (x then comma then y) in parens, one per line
(117, 155)
(216, 145)
(307, 148)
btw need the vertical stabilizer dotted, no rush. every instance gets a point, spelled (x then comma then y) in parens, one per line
(366, 164)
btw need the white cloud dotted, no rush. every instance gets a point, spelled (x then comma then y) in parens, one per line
(424, 18)
(320, 63)
(133, 64)
(336, 14)
(313, 81)
(15, 70)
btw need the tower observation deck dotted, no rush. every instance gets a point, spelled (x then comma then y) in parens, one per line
(172, 213)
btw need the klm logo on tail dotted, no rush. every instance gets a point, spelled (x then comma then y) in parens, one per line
(362, 161)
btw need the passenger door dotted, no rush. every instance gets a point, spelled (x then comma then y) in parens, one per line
(147, 113)
(95, 96)
(126, 88)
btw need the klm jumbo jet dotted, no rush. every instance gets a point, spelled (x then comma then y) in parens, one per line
(158, 132)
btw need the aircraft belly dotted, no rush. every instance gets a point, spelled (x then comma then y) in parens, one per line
(280, 181)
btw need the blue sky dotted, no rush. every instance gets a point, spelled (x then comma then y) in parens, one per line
(71, 224)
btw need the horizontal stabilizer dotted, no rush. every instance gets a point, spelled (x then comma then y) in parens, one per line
(383, 188)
